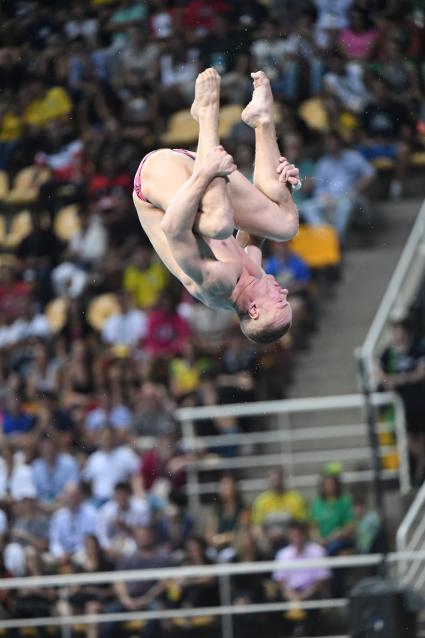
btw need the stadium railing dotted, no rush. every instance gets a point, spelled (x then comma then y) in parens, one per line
(399, 294)
(411, 538)
(346, 443)
(224, 572)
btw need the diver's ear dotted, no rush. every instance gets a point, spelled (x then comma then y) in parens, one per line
(253, 310)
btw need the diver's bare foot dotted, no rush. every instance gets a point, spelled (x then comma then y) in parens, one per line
(260, 109)
(207, 94)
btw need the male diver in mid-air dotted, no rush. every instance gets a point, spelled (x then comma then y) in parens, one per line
(189, 205)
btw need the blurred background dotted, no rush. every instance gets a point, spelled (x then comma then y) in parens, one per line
(140, 429)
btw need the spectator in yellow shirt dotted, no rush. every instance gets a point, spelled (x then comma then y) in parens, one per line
(273, 509)
(145, 278)
(45, 104)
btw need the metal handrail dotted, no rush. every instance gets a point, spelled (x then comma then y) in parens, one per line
(287, 406)
(408, 523)
(415, 240)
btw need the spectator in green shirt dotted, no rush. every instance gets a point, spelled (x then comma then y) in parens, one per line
(332, 519)
(331, 515)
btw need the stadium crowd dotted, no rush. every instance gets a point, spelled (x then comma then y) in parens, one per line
(98, 345)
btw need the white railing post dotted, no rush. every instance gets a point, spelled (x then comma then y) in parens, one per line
(226, 601)
(194, 497)
(402, 445)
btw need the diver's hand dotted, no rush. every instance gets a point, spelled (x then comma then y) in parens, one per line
(218, 163)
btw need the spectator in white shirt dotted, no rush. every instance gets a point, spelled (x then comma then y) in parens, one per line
(126, 328)
(301, 584)
(70, 525)
(88, 245)
(109, 465)
(108, 412)
(16, 477)
(339, 180)
(118, 519)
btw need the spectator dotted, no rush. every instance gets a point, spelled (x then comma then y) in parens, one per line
(52, 472)
(332, 519)
(138, 595)
(88, 244)
(357, 41)
(386, 132)
(29, 531)
(145, 278)
(18, 424)
(274, 508)
(331, 515)
(197, 591)
(402, 369)
(370, 538)
(166, 331)
(90, 599)
(16, 477)
(301, 584)
(126, 328)
(228, 516)
(34, 602)
(153, 412)
(109, 465)
(344, 81)
(119, 518)
(174, 525)
(293, 274)
(162, 467)
(108, 412)
(70, 525)
(340, 179)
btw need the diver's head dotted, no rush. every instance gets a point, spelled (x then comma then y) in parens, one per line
(264, 311)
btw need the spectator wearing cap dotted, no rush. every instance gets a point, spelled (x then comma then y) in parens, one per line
(118, 519)
(138, 595)
(52, 471)
(340, 178)
(70, 525)
(109, 465)
(301, 584)
(273, 509)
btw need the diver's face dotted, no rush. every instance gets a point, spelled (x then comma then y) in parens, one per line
(270, 293)
(271, 301)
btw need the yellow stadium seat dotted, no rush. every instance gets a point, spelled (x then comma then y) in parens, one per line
(383, 163)
(182, 129)
(318, 246)
(56, 313)
(229, 116)
(4, 185)
(67, 222)
(100, 308)
(314, 113)
(26, 185)
(418, 159)
(134, 625)
(2, 230)
(20, 228)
